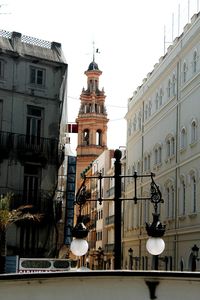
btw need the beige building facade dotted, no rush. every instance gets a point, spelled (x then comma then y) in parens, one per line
(163, 130)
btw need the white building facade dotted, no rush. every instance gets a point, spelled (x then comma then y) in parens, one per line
(163, 131)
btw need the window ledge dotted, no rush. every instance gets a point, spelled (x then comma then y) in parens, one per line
(182, 217)
(183, 149)
(192, 215)
(194, 143)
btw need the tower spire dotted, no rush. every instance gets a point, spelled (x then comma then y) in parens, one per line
(93, 51)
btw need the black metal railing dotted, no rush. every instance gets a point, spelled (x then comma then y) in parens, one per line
(31, 148)
(110, 220)
(109, 248)
(41, 200)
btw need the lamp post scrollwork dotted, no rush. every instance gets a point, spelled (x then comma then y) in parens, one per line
(155, 230)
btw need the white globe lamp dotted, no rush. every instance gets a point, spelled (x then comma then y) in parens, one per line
(155, 245)
(79, 247)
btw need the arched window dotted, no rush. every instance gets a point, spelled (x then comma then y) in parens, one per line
(150, 106)
(194, 194)
(159, 154)
(169, 191)
(138, 167)
(169, 88)
(139, 121)
(193, 131)
(183, 138)
(161, 97)
(184, 72)
(98, 137)
(172, 146)
(168, 202)
(195, 61)
(157, 101)
(174, 85)
(156, 156)
(168, 148)
(134, 123)
(148, 162)
(182, 197)
(86, 135)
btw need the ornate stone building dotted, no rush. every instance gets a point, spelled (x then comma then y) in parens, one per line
(92, 121)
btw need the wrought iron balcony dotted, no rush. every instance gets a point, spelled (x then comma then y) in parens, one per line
(109, 248)
(41, 200)
(110, 220)
(31, 148)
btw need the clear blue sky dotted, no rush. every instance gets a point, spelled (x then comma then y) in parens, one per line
(129, 34)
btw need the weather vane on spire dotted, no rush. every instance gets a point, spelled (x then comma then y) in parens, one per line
(95, 50)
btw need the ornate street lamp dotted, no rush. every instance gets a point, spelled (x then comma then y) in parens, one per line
(155, 230)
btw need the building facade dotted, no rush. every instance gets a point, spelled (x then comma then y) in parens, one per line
(33, 75)
(163, 137)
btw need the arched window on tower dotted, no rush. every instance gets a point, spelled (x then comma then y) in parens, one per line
(98, 137)
(86, 135)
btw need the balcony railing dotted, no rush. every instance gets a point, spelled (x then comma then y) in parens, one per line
(109, 248)
(30, 148)
(110, 220)
(41, 200)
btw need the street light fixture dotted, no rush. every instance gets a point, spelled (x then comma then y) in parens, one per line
(155, 230)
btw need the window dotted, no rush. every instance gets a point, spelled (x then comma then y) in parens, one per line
(139, 121)
(134, 123)
(161, 97)
(99, 137)
(194, 194)
(169, 88)
(157, 101)
(31, 184)
(146, 112)
(195, 61)
(174, 85)
(169, 191)
(33, 125)
(182, 197)
(183, 138)
(157, 154)
(2, 64)
(86, 137)
(1, 113)
(37, 76)
(150, 106)
(193, 131)
(184, 72)
(148, 162)
(170, 147)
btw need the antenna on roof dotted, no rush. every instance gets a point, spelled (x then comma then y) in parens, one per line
(178, 19)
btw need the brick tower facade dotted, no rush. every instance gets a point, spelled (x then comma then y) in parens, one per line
(92, 121)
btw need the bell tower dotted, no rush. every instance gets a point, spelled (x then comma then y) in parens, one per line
(92, 121)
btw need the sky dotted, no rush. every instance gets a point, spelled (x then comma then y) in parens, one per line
(129, 34)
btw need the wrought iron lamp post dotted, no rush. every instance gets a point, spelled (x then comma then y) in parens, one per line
(155, 230)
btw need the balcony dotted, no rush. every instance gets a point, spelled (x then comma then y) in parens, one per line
(110, 220)
(109, 248)
(41, 200)
(31, 148)
(6, 144)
